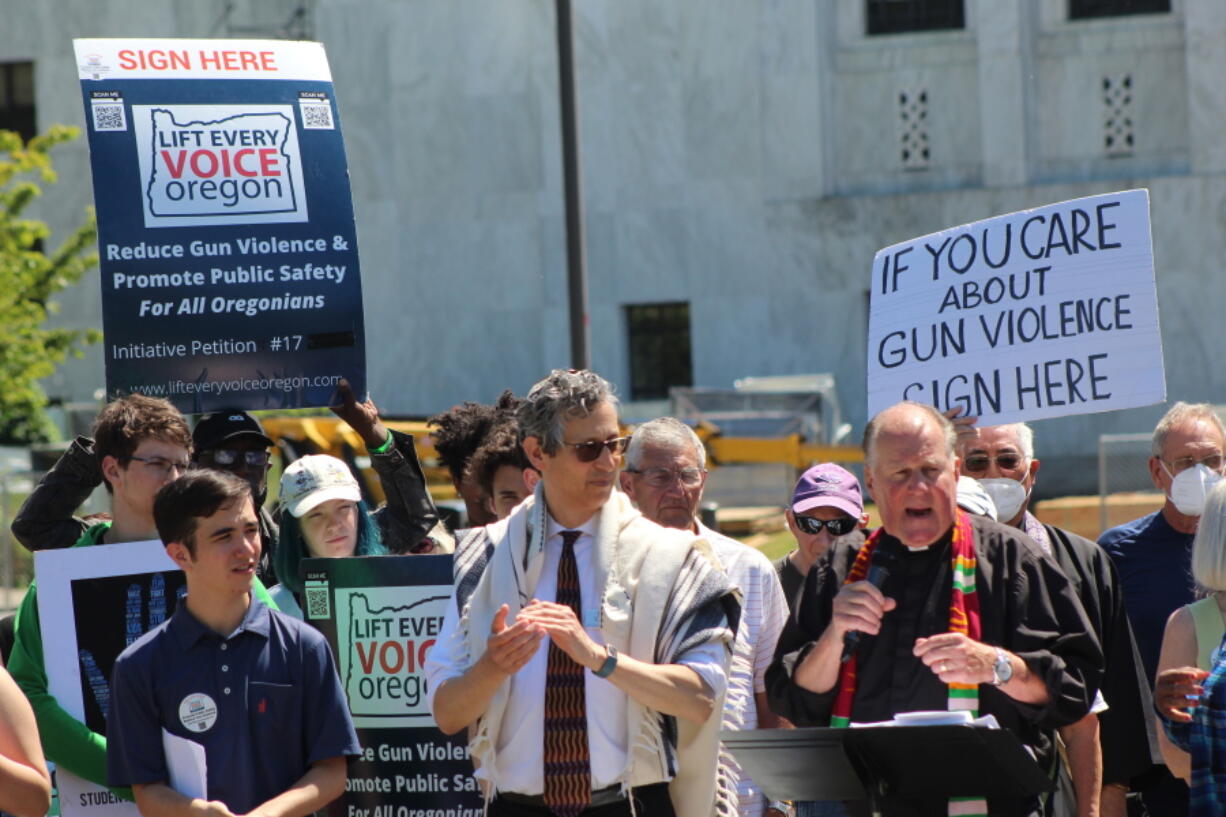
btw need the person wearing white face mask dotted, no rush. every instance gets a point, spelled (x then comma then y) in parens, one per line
(1002, 459)
(1154, 553)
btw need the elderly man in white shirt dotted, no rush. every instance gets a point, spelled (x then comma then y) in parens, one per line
(585, 648)
(665, 475)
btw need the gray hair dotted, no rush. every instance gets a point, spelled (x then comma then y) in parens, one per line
(1179, 413)
(873, 429)
(1209, 546)
(668, 432)
(564, 393)
(1025, 437)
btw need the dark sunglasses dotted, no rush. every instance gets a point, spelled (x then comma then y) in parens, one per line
(227, 456)
(978, 463)
(590, 451)
(837, 527)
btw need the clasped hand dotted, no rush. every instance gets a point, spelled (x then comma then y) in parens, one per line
(509, 648)
(952, 657)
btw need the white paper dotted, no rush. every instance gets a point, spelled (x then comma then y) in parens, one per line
(186, 765)
(1043, 313)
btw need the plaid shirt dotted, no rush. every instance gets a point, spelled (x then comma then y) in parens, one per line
(1205, 740)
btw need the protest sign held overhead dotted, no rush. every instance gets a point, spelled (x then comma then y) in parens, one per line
(1042, 313)
(228, 249)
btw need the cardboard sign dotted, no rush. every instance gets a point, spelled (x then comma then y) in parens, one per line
(92, 603)
(382, 615)
(230, 275)
(1042, 313)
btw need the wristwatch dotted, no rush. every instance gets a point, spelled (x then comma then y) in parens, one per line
(610, 662)
(1002, 670)
(783, 807)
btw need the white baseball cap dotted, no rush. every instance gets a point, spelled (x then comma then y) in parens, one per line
(315, 479)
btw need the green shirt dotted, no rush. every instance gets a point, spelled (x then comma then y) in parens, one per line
(67, 742)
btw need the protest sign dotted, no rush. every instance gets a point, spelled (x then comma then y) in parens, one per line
(92, 603)
(1042, 313)
(226, 234)
(382, 615)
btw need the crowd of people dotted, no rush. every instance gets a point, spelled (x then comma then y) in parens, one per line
(600, 636)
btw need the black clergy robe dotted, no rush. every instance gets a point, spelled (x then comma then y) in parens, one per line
(1126, 729)
(1026, 605)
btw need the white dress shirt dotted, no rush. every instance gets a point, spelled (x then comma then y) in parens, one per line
(522, 733)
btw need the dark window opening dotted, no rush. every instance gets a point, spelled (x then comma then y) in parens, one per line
(901, 16)
(660, 355)
(17, 98)
(1089, 9)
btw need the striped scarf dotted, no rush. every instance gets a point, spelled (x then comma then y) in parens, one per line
(963, 618)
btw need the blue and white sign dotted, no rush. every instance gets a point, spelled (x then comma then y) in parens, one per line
(230, 275)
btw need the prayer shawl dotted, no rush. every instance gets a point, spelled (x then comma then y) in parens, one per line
(664, 593)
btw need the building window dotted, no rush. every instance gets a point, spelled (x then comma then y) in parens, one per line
(17, 98)
(900, 16)
(1088, 9)
(1117, 115)
(659, 349)
(913, 128)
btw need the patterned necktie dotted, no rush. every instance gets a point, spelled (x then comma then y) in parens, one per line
(568, 775)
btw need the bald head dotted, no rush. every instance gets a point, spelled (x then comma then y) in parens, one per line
(911, 471)
(908, 418)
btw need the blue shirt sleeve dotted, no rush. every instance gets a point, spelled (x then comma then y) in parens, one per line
(134, 753)
(327, 729)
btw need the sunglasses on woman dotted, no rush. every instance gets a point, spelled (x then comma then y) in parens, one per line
(837, 527)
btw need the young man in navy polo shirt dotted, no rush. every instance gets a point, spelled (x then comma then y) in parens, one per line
(257, 689)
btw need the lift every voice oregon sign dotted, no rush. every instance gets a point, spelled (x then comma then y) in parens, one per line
(1041, 313)
(230, 274)
(382, 615)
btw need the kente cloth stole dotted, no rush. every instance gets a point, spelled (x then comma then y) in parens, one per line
(567, 764)
(963, 618)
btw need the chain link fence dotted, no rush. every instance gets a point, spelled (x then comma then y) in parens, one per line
(1122, 469)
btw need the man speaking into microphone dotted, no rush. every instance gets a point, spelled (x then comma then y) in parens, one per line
(969, 615)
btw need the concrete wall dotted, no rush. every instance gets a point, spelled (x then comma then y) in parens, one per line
(744, 157)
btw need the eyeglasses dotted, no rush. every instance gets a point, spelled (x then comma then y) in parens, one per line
(979, 463)
(662, 477)
(1213, 462)
(228, 457)
(837, 527)
(590, 451)
(162, 464)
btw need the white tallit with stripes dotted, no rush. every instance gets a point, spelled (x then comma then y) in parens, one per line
(664, 593)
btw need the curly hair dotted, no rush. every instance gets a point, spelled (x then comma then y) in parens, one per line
(461, 430)
(564, 393)
(500, 448)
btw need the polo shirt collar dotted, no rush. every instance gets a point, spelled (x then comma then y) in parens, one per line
(189, 630)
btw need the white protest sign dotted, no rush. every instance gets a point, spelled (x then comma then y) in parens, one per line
(1042, 313)
(66, 650)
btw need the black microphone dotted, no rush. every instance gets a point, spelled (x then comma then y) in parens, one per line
(878, 571)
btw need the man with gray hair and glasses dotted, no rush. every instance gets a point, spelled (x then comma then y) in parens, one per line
(665, 475)
(1154, 553)
(585, 648)
(1002, 459)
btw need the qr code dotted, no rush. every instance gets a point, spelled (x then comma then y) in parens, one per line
(317, 117)
(317, 605)
(109, 117)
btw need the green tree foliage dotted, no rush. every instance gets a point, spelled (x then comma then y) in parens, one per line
(29, 278)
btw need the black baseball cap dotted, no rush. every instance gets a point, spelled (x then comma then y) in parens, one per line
(214, 429)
